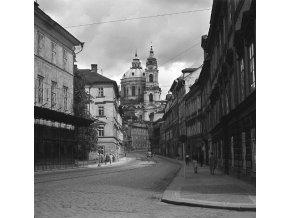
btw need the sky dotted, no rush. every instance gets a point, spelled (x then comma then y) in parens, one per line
(175, 39)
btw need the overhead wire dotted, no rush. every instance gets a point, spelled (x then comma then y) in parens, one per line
(138, 18)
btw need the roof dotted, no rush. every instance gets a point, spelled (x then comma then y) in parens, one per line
(38, 12)
(92, 77)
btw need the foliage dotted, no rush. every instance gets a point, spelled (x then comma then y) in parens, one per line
(86, 137)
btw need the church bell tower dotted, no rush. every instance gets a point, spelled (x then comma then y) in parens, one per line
(152, 91)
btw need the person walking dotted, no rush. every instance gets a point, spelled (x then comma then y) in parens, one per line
(194, 162)
(212, 163)
(201, 158)
(111, 157)
(187, 159)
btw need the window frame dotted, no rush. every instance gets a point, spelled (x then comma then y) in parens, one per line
(101, 92)
(65, 97)
(101, 110)
(40, 43)
(242, 78)
(65, 59)
(251, 50)
(53, 93)
(101, 131)
(40, 80)
(53, 52)
(151, 78)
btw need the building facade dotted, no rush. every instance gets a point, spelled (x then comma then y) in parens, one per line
(228, 86)
(193, 121)
(174, 116)
(54, 120)
(104, 107)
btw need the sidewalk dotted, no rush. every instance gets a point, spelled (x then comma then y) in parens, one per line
(121, 161)
(212, 191)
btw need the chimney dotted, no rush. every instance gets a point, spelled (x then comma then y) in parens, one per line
(75, 67)
(94, 67)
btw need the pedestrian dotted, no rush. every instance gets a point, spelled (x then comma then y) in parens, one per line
(194, 162)
(201, 158)
(187, 159)
(212, 163)
(106, 159)
(111, 157)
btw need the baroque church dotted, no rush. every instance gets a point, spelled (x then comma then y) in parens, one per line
(140, 91)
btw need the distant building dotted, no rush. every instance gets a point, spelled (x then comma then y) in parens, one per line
(104, 107)
(139, 136)
(54, 123)
(140, 91)
(174, 116)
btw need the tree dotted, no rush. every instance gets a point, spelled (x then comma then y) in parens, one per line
(86, 137)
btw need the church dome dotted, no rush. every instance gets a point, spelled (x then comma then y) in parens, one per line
(131, 73)
(136, 69)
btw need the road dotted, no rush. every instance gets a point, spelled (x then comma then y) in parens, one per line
(133, 189)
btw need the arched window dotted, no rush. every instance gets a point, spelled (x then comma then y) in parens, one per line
(133, 90)
(124, 91)
(139, 91)
(150, 97)
(151, 78)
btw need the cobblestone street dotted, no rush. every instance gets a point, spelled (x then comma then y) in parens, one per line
(130, 190)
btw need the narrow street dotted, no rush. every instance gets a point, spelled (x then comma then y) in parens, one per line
(133, 189)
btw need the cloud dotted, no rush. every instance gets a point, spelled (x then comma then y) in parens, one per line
(112, 45)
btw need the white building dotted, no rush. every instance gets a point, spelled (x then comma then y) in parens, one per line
(104, 107)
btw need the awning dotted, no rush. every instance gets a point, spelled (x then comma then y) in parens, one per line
(56, 116)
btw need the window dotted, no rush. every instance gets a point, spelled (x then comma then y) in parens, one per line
(232, 91)
(40, 89)
(65, 97)
(101, 131)
(40, 44)
(124, 91)
(252, 67)
(227, 102)
(143, 74)
(132, 74)
(133, 90)
(101, 92)
(242, 69)
(65, 59)
(53, 93)
(53, 52)
(244, 153)
(150, 78)
(232, 150)
(150, 97)
(230, 11)
(101, 110)
(139, 91)
(253, 146)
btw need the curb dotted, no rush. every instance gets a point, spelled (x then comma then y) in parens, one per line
(209, 205)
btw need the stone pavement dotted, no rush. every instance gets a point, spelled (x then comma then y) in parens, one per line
(212, 191)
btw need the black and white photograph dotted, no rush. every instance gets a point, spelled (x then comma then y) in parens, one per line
(145, 108)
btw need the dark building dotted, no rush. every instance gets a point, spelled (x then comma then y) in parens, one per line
(228, 87)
